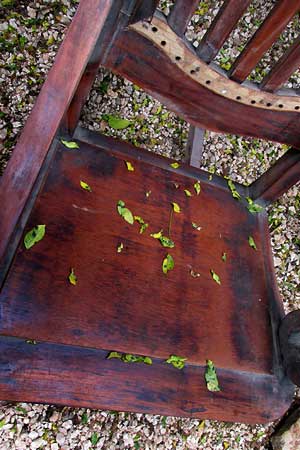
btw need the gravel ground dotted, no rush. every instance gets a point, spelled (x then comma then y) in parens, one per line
(30, 33)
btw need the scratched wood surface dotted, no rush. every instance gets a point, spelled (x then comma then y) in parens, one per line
(124, 302)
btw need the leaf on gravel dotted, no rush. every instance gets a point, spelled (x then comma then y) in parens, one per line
(70, 144)
(129, 166)
(175, 165)
(252, 242)
(117, 123)
(85, 186)
(215, 277)
(233, 190)
(197, 227)
(176, 207)
(176, 361)
(33, 236)
(72, 277)
(224, 257)
(197, 187)
(187, 193)
(125, 212)
(212, 382)
(120, 247)
(141, 221)
(168, 264)
(95, 438)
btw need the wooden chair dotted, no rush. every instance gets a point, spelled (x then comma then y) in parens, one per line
(232, 313)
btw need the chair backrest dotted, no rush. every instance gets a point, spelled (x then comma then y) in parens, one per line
(156, 55)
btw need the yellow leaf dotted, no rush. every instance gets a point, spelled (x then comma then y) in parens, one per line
(176, 207)
(85, 186)
(175, 165)
(187, 193)
(72, 277)
(130, 167)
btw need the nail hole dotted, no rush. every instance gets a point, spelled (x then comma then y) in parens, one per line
(238, 97)
(154, 29)
(163, 43)
(178, 58)
(280, 106)
(253, 102)
(269, 104)
(193, 72)
(297, 107)
(207, 81)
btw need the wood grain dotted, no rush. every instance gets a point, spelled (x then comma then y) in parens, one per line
(181, 14)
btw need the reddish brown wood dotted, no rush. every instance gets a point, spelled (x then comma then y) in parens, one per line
(283, 69)
(138, 309)
(34, 373)
(220, 29)
(290, 344)
(264, 37)
(44, 121)
(278, 179)
(181, 14)
(138, 60)
(194, 147)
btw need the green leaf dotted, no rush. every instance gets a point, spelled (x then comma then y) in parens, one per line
(70, 144)
(120, 247)
(2, 423)
(84, 418)
(176, 361)
(187, 193)
(233, 190)
(197, 187)
(72, 277)
(168, 264)
(253, 208)
(130, 167)
(144, 225)
(118, 124)
(157, 235)
(215, 277)
(197, 227)
(166, 242)
(147, 360)
(33, 236)
(114, 355)
(175, 165)
(125, 212)
(85, 186)
(224, 257)
(211, 378)
(252, 242)
(95, 438)
(176, 207)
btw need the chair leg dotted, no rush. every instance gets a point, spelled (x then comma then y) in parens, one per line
(194, 147)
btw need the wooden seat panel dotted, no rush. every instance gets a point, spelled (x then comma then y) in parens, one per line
(123, 301)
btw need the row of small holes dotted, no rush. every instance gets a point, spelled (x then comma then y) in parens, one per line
(193, 71)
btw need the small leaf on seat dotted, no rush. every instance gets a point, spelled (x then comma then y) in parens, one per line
(215, 277)
(176, 207)
(118, 124)
(175, 165)
(252, 242)
(197, 227)
(211, 378)
(233, 190)
(168, 264)
(120, 247)
(224, 257)
(157, 235)
(141, 221)
(187, 193)
(254, 208)
(176, 361)
(35, 235)
(72, 277)
(128, 358)
(194, 274)
(114, 355)
(70, 144)
(129, 166)
(197, 187)
(164, 240)
(85, 186)
(125, 212)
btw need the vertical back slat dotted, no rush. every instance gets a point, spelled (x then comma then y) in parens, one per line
(181, 14)
(283, 69)
(220, 29)
(263, 39)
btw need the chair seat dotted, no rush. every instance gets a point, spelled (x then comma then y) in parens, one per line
(124, 302)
